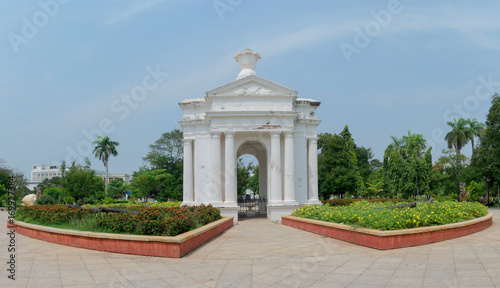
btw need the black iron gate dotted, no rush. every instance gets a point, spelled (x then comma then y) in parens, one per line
(252, 208)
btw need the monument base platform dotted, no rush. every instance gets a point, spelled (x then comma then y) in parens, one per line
(274, 213)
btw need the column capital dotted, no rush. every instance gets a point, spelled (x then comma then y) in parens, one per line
(187, 140)
(289, 133)
(313, 138)
(275, 133)
(229, 133)
(215, 133)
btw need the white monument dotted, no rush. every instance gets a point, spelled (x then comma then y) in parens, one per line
(250, 115)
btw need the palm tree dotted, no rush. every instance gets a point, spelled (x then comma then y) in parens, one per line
(104, 148)
(415, 141)
(459, 135)
(477, 129)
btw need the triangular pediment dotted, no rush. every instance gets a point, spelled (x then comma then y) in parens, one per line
(252, 85)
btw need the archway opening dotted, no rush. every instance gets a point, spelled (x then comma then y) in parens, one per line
(252, 180)
(248, 176)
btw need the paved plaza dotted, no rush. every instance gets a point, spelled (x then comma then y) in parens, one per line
(260, 253)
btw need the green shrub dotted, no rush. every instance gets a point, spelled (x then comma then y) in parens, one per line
(46, 200)
(4, 200)
(90, 201)
(349, 201)
(69, 200)
(54, 192)
(159, 221)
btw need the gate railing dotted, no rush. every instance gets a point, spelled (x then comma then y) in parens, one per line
(252, 208)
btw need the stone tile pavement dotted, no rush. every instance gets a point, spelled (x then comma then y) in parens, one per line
(259, 253)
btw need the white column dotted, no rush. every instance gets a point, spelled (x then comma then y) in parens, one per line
(230, 171)
(187, 181)
(215, 169)
(275, 169)
(313, 171)
(289, 182)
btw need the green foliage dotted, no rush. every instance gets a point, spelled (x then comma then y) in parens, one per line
(349, 201)
(244, 179)
(51, 214)
(476, 190)
(338, 165)
(4, 200)
(117, 189)
(159, 221)
(407, 167)
(46, 200)
(488, 155)
(54, 192)
(103, 149)
(137, 206)
(69, 200)
(459, 135)
(81, 182)
(147, 183)
(52, 182)
(149, 221)
(449, 171)
(166, 153)
(374, 216)
(476, 129)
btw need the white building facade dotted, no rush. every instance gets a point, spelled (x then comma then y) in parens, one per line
(255, 116)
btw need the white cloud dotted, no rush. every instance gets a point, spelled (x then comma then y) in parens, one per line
(132, 11)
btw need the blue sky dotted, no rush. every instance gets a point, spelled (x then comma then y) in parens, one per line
(382, 67)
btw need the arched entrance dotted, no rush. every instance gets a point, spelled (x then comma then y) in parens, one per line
(254, 206)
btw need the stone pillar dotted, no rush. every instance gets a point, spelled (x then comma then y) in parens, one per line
(275, 195)
(313, 171)
(187, 182)
(215, 169)
(230, 171)
(289, 183)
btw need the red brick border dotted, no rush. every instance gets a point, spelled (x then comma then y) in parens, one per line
(385, 240)
(174, 247)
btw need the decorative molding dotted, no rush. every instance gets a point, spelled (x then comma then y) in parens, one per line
(253, 89)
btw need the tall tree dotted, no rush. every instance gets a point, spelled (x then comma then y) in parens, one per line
(407, 165)
(488, 154)
(459, 135)
(104, 148)
(477, 130)
(338, 171)
(167, 152)
(81, 183)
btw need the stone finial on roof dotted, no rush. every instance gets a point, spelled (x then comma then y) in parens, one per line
(248, 60)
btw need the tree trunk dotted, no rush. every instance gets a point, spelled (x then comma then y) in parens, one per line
(107, 178)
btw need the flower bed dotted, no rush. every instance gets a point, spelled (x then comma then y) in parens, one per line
(161, 246)
(349, 201)
(376, 216)
(148, 220)
(128, 205)
(442, 221)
